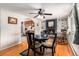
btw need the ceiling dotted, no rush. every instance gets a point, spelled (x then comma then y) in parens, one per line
(57, 9)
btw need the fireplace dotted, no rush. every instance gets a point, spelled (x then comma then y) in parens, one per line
(51, 26)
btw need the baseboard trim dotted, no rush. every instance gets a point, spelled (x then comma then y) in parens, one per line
(73, 50)
(9, 46)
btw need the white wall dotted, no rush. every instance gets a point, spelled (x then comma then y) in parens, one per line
(61, 24)
(10, 33)
(38, 28)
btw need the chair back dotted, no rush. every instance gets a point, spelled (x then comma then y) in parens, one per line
(54, 40)
(30, 39)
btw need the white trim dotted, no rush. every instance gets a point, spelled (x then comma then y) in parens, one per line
(73, 50)
(10, 46)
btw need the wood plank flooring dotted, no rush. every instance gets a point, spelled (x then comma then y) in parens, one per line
(15, 50)
(61, 50)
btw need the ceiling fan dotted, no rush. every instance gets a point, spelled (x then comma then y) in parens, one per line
(41, 13)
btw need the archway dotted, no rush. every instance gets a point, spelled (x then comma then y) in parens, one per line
(29, 22)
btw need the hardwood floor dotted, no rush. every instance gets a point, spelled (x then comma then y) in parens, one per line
(61, 50)
(15, 50)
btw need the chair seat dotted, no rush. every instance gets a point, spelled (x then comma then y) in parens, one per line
(48, 43)
(37, 45)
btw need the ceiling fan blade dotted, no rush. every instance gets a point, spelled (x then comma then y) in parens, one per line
(33, 13)
(47, 14)
(36, 16)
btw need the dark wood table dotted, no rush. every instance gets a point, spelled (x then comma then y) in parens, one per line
(41, 39)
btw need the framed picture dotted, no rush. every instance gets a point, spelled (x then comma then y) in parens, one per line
(12, 20)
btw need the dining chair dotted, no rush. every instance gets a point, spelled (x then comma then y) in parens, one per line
(32, 45)
(51, 45)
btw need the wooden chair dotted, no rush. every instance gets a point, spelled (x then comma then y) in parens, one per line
(52, 46)
(32, 45)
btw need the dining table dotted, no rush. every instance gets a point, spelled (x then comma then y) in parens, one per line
(41, 38)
